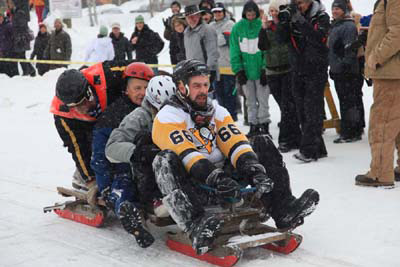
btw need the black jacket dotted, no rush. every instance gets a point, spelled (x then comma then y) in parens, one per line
(177, 48)
(122, 47)
(41, 41)
(148, 46)
(341, 60)
(307, 41)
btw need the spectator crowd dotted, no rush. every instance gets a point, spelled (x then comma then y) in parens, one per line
(288, 51)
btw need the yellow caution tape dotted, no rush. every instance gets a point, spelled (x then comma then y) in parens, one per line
(222, 70)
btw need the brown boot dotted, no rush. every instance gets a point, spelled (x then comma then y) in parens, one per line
(364, 180)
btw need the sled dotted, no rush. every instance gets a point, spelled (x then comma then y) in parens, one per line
(243, 228)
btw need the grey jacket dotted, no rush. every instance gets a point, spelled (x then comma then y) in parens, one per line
(120, 146)
(221, 27)
(201, 44)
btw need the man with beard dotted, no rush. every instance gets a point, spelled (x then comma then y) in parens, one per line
(202, 147)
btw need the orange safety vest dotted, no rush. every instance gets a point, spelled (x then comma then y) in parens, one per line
(100, 87)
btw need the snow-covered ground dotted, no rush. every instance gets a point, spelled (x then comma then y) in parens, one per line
(352, 226)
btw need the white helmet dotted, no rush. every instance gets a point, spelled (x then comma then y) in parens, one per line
(160, 89)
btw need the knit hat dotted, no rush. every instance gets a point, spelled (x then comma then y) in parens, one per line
(103, 30)
(342, 4)
(115, 25)
(275, 4)
(139, 19)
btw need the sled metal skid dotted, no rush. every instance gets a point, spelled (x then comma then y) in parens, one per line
(78, 210)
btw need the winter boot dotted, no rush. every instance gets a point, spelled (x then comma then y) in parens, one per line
(306, 159)
(131, 220)
(364, 180)
(203, 233)
(264, 129)
(78, 182)
(254, 130)
(292, 213)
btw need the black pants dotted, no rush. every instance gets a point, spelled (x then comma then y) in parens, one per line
(172, 177)
(27, 68)
(289, 132)
(351, 106)
(9, 68)
(77, 137)
(308, 92)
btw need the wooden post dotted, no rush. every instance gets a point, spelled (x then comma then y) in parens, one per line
(334, 122)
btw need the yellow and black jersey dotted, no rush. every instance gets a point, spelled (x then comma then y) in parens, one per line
(199, 148)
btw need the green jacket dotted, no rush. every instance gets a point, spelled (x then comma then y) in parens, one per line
(244, 51)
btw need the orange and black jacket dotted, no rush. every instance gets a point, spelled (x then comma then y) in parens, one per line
(107, 82)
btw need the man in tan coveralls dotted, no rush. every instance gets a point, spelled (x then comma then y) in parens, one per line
(383, 66)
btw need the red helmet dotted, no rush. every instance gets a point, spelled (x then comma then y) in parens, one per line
(138, 70)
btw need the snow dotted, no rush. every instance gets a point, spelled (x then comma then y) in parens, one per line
(352, 226)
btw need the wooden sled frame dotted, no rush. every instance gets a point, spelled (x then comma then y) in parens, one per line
(243, 228)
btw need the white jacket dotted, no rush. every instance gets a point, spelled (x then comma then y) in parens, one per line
(99, 50)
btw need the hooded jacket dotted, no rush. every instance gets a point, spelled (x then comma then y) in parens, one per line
(244, 52)
(308, 52)
(100, 50)
(341, 60)
(383, 41)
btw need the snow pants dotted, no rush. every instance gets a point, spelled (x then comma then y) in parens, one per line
(257, 97)
(308, 92)
(185, 198)
(225, 94)
(289, 129)
(384, 128)
(77, 137)
(348, 89)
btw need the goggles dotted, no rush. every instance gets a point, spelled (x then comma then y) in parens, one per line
(87, 95)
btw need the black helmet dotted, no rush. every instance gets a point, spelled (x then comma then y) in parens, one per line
(189, 68)
(182, 73)
(72, 87)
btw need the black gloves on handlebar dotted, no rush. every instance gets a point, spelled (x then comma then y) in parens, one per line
(224, 186)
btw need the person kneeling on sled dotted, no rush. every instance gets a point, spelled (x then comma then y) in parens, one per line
(81, 96)
(131, 143)
(197, 136)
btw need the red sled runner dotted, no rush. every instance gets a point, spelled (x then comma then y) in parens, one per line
(243, 228)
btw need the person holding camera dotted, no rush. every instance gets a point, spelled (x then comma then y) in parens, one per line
(279, 79)
(304, 25)
(170, 30)
(345, 72)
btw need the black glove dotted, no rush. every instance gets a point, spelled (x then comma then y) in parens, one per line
(261, 181)
(241, 77)
(224, 186)
(145, 150)
(165, 22)
(263, 78)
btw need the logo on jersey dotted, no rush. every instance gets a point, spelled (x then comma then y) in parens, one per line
(205, 135)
